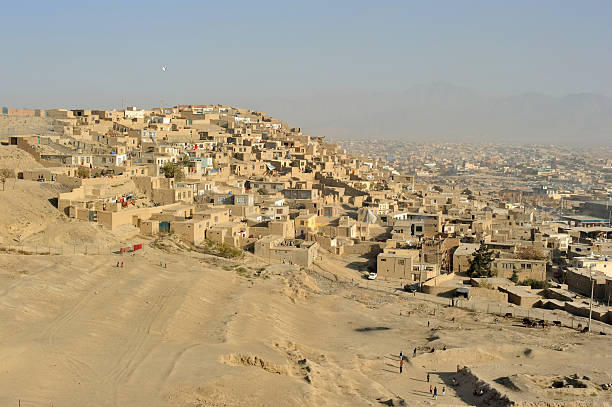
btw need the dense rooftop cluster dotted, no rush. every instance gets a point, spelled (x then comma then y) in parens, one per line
(213, 174)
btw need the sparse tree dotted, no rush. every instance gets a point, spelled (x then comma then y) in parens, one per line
(185, 161)
(480, 265)
(529, 253)
(4, 175)
(83, 172)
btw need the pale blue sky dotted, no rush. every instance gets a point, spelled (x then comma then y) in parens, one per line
(74, 54)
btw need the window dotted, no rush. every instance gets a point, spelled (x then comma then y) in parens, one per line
(401, 262)
(383, 259)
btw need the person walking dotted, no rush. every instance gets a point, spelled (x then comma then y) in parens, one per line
(414, 353)
(430, 389)
(444, 391)
(435, 392)
(401, 355)
(401, 365)
(427, 377)
(427, 324)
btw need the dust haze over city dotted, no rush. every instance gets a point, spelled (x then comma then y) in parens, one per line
(306, 204)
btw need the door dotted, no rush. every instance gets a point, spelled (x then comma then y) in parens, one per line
(164, 227)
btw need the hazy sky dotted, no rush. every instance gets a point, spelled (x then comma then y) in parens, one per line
(72, 54)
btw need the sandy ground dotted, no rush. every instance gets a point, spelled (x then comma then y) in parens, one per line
(12, 157)
(27, 210)
(201, 332)
(78, 331)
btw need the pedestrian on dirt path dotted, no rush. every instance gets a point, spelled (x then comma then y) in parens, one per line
(427, 377)
(401, 355)
(401, 365)
(444, 391)
(427, 324)
(414, 353)
(435, 392)
(430, 389)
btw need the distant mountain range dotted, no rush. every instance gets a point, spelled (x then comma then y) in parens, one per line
(443, 112)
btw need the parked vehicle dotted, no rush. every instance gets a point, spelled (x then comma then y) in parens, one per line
(412, 288)
(372, 275)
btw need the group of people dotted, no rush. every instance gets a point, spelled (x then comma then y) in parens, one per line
(433, 390)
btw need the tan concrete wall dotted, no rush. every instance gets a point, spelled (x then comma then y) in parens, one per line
(581, 284)
(488, 294)
(149, 227)
(461, 263)
(522, 301)
(362, 248)
(64, 199)
(112, 220)
(392, 267)
(193, 232)
(435, 286)
(537, 271)
(300, 256)
(72, 182)
(25, 146)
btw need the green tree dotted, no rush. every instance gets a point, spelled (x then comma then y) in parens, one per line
(480, 265)
(535, 284)
(172, 170)
(514, 277)
(185, 161)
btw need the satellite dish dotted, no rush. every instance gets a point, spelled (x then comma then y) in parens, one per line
(164, 68)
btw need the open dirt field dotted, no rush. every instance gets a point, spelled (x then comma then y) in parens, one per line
(79, 331)
(27, 210)
(205, 331)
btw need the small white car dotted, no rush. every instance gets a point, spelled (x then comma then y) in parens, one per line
(372, 275)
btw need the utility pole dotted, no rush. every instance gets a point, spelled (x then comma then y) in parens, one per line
(591, 302)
